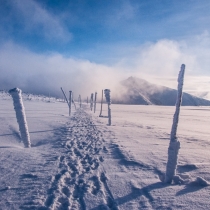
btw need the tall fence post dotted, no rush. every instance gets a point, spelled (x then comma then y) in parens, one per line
(95, 102)
(20, 115)
(108, 100)
(91, 102)
(70, 102)
(174, 144)
(101, 103)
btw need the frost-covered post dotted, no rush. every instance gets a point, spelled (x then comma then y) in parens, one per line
(20, 115)
(174, 144)
(91, 102)
(65, 98)
(70, 101)
(95, 102)
(108, 100)
(101, 103)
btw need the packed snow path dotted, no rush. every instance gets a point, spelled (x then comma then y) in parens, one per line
(81, 182)
(80, 168)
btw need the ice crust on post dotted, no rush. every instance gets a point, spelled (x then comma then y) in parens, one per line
(20, 115)
(95, 102)
(174, 144)
(91, 102)
(70, 102)
(101, 104)
(108, 100)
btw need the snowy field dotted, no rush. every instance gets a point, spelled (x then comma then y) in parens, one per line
(79, 162)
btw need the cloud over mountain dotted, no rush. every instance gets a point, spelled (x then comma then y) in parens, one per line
(139, 91)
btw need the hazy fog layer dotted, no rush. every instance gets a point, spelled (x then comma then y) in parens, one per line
(157, 62)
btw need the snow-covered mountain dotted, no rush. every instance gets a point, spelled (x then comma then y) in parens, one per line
(139, 91)
(200, 94)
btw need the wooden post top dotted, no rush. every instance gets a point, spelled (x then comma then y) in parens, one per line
(17, 90)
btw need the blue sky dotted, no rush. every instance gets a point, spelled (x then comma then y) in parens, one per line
(120, 38)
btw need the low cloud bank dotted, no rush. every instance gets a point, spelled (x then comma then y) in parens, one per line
(44, 74)
(156, 62)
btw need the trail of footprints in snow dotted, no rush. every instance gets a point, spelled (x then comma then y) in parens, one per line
(78, 167)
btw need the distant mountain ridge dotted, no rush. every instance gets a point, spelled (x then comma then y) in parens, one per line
(139, 91)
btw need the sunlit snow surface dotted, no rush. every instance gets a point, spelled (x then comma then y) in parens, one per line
(79, 162)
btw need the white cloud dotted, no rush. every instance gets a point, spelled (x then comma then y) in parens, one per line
(157, 62)
(160, 62)
(162, 58)
(47, 73)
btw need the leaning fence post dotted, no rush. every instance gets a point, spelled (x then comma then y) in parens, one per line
(70, 101)
(95, 102)
(174, 144)
(108, 100)
(65, 96)
(20, 115)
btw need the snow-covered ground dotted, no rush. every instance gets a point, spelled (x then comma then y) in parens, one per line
(79, 162)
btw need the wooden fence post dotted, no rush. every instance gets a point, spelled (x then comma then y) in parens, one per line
(72, 98)
(95, 102)
(20, 115)
(65, 98)
(174, 144)
(91, 102)
(108, 100)
(101, 103)
(70, 102)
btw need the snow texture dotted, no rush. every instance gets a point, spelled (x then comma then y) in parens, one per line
(20, 115)
(80, 163)
(202, 182)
